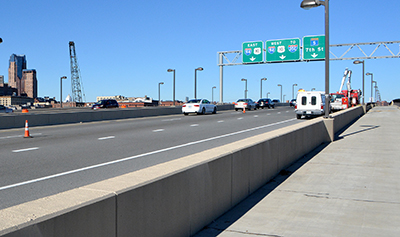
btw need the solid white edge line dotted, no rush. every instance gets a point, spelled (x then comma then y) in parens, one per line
(15, 136)
(140, 155)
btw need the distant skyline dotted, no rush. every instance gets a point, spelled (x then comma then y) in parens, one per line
(125, 48)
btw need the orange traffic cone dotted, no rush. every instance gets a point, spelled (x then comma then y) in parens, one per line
(26, 129)
(244, 110)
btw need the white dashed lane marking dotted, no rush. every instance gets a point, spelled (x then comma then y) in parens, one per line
(26, 149)
(105, 138)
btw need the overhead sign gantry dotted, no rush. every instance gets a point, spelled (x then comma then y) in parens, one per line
(313, 49)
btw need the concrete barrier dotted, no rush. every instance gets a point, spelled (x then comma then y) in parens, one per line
(63, 116)
(176, 198)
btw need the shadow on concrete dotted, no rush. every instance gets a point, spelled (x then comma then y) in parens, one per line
(230, 217)
(368, 127)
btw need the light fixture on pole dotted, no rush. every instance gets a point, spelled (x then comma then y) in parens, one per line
(212, 93)
(262, 79)
(372, 81)
(363, 73)
(293, 90)
(1, 40)
(308, 4)
(195, 80)
(245, 88)
(173, 85)
(281, 92)
(312, 89)
(63, 77)
(159, 99)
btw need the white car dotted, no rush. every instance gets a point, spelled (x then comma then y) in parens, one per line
(199, 106)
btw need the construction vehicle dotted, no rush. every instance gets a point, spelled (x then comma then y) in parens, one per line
(344, 99)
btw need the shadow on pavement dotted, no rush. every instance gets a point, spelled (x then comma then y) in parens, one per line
(369, 127)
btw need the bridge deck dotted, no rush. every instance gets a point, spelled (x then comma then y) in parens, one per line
(350, 187)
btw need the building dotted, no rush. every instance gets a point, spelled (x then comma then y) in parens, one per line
(21, 78)
(6, 90)
(29, 83)
(15, 68)
(8, 100)
(1, 80)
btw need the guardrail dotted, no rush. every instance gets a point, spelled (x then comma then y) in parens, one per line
(177, 198)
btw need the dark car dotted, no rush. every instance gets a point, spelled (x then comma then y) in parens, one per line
(293, 103)
(105, 104)
(4, 109)
(265, 103)
(276, 101)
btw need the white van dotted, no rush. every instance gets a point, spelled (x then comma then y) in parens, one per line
(310, 104)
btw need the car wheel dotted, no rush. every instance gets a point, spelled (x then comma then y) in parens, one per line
(215, 110)
(298, 116)
(203, 111)
(185, 114)
(236, 109)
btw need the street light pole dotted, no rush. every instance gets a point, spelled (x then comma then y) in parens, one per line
(293, 90)
(262, 79)
(268, 94)
(195, 80)
(159, 99)
(281, 91)
(363, 73)
(245, 88)
(212, 93)
(173, 86)
(63, 77)
(372, 81)
(308, 4)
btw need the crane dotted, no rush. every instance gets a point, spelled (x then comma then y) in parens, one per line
(75, 75)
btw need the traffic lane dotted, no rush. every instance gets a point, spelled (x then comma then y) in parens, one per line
(75, 179)
(82, 146)
(51, 133)
(61, 183)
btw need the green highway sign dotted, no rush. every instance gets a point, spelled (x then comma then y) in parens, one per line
(252, 52)
(283, 50)
(314, 47)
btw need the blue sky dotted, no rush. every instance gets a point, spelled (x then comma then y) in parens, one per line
(126, 47)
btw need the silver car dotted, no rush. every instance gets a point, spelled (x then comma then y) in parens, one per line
(247, 104)
(4, 109)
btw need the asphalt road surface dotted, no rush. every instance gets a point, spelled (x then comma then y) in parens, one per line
(63, 157)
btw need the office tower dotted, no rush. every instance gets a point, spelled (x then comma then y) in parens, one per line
(16, 66)
(1, 80)
(29, 83)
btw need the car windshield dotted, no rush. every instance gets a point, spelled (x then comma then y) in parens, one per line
(193, 101)
(243, 100)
